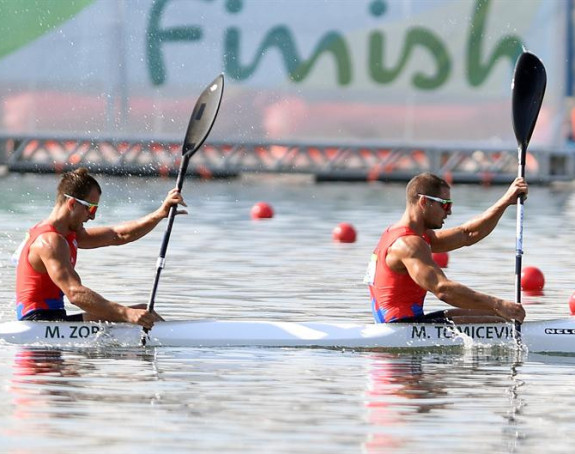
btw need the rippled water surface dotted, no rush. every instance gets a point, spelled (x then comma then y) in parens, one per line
(221, 264)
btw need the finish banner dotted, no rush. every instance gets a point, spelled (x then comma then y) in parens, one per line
(344, 71)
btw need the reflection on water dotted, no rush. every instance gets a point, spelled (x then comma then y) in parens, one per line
(443, 393)
(396, 387)
(45, 380)
(35, 390)
(289, 400)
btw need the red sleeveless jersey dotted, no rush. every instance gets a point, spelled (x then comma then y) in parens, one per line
(393, 295)
(34, 290)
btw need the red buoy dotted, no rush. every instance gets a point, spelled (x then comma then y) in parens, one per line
(441, 258)
(344, 233)
(262, 210)
(572, 304)
(532, 279)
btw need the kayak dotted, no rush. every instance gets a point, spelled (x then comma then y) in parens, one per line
(556, 335)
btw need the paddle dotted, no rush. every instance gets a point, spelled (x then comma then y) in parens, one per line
(200, 125)
(528, 89)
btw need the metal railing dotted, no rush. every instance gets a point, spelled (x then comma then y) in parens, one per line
(325, 161)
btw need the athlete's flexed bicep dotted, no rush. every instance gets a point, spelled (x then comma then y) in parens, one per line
(413, 255)
(50, 253)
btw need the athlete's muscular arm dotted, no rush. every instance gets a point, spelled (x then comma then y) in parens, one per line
(479, 227)
(413, 254)
(50, 253)
(127, 232)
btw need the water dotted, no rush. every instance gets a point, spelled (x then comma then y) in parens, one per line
(221, 264)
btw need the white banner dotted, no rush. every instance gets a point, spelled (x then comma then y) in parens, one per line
(344, 71)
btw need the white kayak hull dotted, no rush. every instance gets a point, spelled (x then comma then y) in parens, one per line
(556, 335)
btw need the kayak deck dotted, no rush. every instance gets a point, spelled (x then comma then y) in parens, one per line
(556, 335)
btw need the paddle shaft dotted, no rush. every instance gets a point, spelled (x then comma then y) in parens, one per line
(171, 216)
(519, 234)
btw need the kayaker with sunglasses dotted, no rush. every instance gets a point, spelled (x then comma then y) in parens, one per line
(402, 269)
(47, 257)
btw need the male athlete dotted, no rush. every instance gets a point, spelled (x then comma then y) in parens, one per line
(402, 270)
(46, 259)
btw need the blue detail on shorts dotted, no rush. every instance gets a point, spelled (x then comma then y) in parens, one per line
(53, 316)
(416, 310)
(53, 305)
(379, 314)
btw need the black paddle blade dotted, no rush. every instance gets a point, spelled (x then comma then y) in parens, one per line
(203, 116)
(528, 89)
